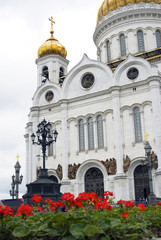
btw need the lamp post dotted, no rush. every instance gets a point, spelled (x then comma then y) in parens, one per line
(44, 138)
(16, 180)
(152, 197)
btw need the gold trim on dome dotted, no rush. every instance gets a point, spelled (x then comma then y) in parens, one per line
(110, 5)
(51, 45)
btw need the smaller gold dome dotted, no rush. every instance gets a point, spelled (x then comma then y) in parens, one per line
(51, 45)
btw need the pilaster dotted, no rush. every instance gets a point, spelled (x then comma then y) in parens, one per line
(65, 139)
(117, 130)
(154, 85)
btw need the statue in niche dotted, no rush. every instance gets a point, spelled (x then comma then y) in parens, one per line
(126, 163)
(110, 166)
(59, 171)
(72, 170)
(154, 160)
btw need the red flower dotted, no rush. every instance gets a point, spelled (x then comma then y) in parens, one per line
(103, 205)
(141, 206)
(54, 205)
(6, 211)
(124, 203)
(68, 197)
(36, 198)
(24, 210)
(39, 209)
(158, 203)
(107, 193)
(125, 215)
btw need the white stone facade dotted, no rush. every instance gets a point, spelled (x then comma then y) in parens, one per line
(113, 96)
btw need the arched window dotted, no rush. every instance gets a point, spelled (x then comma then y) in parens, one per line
(158, 38)
(140, 37)
(100, 131)
(61, 72)
(108, 51)
(122, 45)
(45, 74)
(90, 134)
(81, 136)
(137, 125)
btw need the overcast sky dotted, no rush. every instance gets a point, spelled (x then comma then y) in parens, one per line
(24, 26)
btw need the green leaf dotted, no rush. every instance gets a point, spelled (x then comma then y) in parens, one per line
(43, 227)
(59, 217)
(106, 238)
(91, 230)
(77, 230)
(69, 238)
(21, 231)
(12, 225)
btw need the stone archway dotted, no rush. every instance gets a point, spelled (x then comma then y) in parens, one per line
(94, 181)
(141, 183)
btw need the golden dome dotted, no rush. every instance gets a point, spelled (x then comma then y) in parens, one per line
(51, 46)
(110, 5)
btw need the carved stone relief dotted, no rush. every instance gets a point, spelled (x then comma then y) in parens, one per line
(110, 166)
(126, 163)
(72, 170)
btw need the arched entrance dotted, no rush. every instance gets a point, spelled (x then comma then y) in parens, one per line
(94, 181)
(141, 182)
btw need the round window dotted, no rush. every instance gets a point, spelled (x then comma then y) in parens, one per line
(132, 73)
(87, 80)
(49, 96)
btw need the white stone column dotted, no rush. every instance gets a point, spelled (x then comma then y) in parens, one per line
(77, 136)
(120, 182)
(143, 130)
(104, 53)
(154, 85)
(86, 135)
(117, 130)
(65, 139)
(104, 133)
(35, 119)
(156, 108)
(95, 134)
(132, 127)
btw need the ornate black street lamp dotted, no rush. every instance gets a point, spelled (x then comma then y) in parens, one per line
(43, 186)
(44, 137)
(16, 180)
(152, 197)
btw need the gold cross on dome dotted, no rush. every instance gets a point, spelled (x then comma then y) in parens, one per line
(17, 157)
(52, 21)
(146, 135)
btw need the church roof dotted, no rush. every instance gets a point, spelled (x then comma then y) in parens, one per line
(110, 5)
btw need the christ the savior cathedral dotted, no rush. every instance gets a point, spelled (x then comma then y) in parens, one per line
(102, 109)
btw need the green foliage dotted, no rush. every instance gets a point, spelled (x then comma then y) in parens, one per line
(83, 224)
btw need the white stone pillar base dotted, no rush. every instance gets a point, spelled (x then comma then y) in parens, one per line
(65, 186)
(121, 187)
